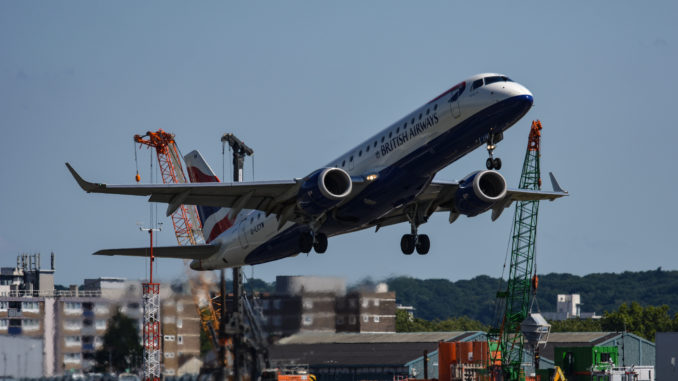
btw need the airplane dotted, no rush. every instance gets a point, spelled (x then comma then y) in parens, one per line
(385, 180)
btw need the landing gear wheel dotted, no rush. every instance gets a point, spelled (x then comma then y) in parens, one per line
(407, 244)
(423, 244)
(305, 242)
(496, 163)
(489, 163)
(320, 244)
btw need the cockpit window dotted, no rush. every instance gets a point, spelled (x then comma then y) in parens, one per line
(498, 78)
(477, 83)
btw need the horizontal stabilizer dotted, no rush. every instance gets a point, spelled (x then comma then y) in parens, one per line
(185, 252)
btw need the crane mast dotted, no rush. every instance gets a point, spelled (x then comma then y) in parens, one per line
(187, 226)
(521, 284)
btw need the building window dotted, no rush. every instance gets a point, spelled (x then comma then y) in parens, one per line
(169, 337)
(30, 324)
(169, 319)
(352, 320)
(366, 303)
(366, 318)
(30, 307)
(72, 341)
(180, 323)
(72, 308)
(376, 302)
(100, 324)
(376, 318)
(4, 306)
(169, 355)
(340, 320)
(276, 304)
(4, 323)
(265, 304)
(180, 307)
(72, 325)
(308, 304)
(169, 372)
(101, 309)
(352, 303)
(277, 321)
(72, 358)
(98, 342)
(180, 340)
(308, 319)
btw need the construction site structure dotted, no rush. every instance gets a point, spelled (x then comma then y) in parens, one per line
(507, 339)
(185, 218)
(151, 331)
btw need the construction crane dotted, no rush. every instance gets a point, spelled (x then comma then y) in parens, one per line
(187, 226)
(506, 339)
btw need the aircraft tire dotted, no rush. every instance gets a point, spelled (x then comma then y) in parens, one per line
(496, 163)
(305, 242)
(407, 244)
(423, 244)
(320, 244)
(489, 163)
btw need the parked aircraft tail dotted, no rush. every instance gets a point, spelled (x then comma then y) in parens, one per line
(214, 220)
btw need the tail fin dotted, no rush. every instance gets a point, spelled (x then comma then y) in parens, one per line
(214, 219)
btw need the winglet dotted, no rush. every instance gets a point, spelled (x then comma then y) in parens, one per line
(555, 185)
(85, 185)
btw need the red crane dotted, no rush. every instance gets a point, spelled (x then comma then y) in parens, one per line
(187, 226)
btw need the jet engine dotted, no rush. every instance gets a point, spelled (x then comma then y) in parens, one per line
(478, 192)
(324, 189)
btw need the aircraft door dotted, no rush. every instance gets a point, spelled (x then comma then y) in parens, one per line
(242, 234)
(454, 100)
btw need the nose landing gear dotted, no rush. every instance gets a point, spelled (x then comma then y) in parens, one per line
(492, 162)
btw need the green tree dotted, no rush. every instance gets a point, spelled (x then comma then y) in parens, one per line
(642, 321)
(405, 323)
(121, 350)
(576, 325)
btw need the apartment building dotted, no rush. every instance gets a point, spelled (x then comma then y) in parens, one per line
(71, 323)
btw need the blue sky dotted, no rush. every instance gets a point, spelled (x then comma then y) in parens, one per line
(301, 82)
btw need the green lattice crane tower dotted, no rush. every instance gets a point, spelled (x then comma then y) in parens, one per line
(506, 340)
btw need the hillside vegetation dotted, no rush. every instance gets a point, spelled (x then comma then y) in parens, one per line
(441, 299)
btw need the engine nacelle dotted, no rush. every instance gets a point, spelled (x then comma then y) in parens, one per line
(478, 192)
(324, 189)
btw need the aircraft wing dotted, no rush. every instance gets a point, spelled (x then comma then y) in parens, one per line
(439, 197)
(277, 197)
(185, 252)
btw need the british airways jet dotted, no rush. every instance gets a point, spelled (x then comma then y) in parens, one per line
(386, 179)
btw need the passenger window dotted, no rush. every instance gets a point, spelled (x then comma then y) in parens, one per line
(382, 138)
(343, 163)
(412, 121)
(360, 153)
(405, 126)
(419, 116)
(435, 107)
(477, 83)
(390, 134)
(397, 130)
(351, 159)
(367, 149)
(375, 144)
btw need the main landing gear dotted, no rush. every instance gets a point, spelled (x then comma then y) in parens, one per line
(308, 241)
(492, 162)
(412, 241)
